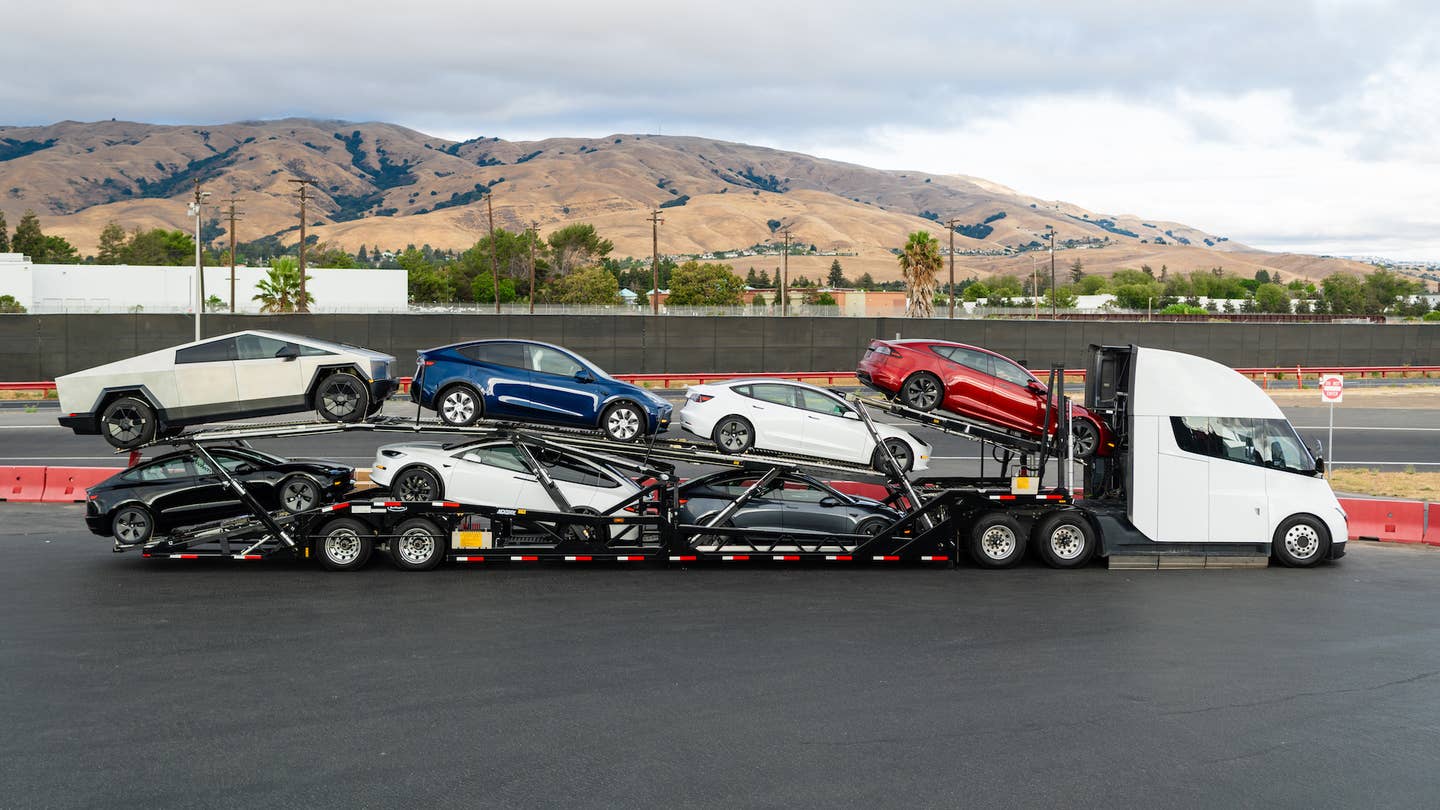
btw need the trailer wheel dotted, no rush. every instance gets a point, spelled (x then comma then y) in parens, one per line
(922, 391)
(344, 545)
(1300, 542)
(417, 545)
(996, 541)
(1066, 540)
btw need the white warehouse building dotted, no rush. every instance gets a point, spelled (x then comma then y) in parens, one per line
(55, 288)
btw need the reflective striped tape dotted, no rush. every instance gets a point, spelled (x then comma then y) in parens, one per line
(885, 558)
(787, 557)
(682, 557)
(839, 557)
(735, 557)
(934, 558)
(570, 558)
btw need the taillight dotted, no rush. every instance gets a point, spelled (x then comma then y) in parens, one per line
(886, 350)
(428, 363)
(700, 397)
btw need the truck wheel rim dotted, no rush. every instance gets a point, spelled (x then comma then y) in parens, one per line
(415, 487)
(299, 496)
(623, 423)
(342, 546)
(998, 542)
(734, 436)
(126, 424)
(458, 407)
(1302, 541)
(1067, 542)
(131, 526)
(340, 398)
(923, 393)
(417, 546)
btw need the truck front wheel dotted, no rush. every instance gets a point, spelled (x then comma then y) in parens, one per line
(996, 541)
(1300, 542)
(1066, 540)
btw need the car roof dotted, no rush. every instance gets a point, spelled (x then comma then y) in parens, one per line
(499, 340)
(780, 380)
(935, 342)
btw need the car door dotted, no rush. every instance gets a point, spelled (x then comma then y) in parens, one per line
(500, 370)
(494, 475)
(779, 422)
(1239, 508)
(807, 506)
(204, 381)
(763, 511)
(828, 432)
(968, 382)
(186, 495)
(561, 388)
(265, 379)
(1015, 404)
(247, 471)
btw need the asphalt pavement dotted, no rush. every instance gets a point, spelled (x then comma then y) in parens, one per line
(134, 683)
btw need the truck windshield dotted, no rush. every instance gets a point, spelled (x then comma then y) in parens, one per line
(1269, 443)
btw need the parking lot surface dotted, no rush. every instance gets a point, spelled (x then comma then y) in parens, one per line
(127, 682)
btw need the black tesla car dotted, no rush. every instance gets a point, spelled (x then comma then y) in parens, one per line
(181, 489)
(791, 501)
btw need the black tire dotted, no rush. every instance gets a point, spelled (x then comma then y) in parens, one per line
(1086, 438)
(128, 422)
(132, 525)
(418, 545)
(922, 392)
(416, 485)
(342, 397)
(623, 422)
(298, 494)
(1065, 540)
(1301, 541)
(598, 534)
(344, 545)
(459, 406)
(734, 435)
(996, 541)
(904, 456)
(872, 526)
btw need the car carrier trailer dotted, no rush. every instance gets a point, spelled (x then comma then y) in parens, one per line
(1138, 391)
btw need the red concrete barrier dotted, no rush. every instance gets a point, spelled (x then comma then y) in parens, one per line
(22, 483)
(67, 484)
(1391, 521)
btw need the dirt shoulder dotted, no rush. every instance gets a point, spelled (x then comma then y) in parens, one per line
(1400, 397)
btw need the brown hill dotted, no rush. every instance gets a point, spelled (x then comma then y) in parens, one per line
(381, 184)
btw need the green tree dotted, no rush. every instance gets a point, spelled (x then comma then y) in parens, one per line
(820, 299)
(587, 285)
(758, 300)
(425, 283)
(1385, 289)
(1077, 271)
(330, 256)
(1092, 285)
(112, 244)
(513, 252)
(4, 235)
(59, 251)
(1343, 293)
(576, 246)
(159, 246)
(10, 305)
(483, 288)
(1262, 276)
(29, 239)
(279, 291)
(865, 282)
(1061, 298)
(1139, 296)
(976, 291)
(836, 278)
(695, 284)
(919, 265)
(1271, 297)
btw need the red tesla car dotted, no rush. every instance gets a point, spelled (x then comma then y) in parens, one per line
(971, 382)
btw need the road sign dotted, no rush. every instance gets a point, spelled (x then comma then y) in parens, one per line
(1332, 388)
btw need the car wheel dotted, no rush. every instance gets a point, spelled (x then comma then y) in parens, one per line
(132, 526)
(872, 527)
(344, 545)
(922, 392)
(342, 397)
(299, 494)
(996, 541)
(418, 545)
(128, 422)
(622, 422)
(900, 450)
(1066, 540)
(416, 484)
(1086, 438)
(734, 434)
(717, 540)
(598, 534)
(1300, 542)
(459, 406)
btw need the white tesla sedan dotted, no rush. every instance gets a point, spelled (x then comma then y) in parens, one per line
(792, 417)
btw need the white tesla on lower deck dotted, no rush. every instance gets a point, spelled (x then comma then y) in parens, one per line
(792, 417)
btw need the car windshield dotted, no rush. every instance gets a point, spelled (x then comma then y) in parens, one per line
(599, 372)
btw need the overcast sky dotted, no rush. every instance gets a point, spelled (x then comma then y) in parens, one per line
(1308, 126)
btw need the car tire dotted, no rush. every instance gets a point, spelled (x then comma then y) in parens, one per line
(342, 397)
(459, 406)
(1300, 541)
(996, 541)
(872, 526)
(344, 545)
(623, 422)
(418, 545)
(1065, 540)
(416, 485)
(298, 494)
(128, 422)
(599, 534)
(902, 452)
(734, 435)
(1086, 438)
(922, 392)
(132, 525)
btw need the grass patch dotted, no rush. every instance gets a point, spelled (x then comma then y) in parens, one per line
(27, 396)
(1407, 483)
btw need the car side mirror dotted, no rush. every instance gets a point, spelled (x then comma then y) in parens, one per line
(243, 469)
(1319, 465)
(289, 352)
(583, 377)
(829, 501)
(1035, 387)
(850, 415)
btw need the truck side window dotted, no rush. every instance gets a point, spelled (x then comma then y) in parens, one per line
(1269, 443)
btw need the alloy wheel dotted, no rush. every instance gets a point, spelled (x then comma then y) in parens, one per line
(1067, 542)
(623, 423)
(998, 542)
(416, 546)
(924, 394)
(1302, 541)
(734, 436)
(299, 495)
(458, 407)
(126, 424)
(132, 526)
(342, 546)
(341, 398)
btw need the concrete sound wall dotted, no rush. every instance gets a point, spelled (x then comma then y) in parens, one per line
(42, 347)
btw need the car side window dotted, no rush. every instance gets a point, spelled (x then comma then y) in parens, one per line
(1010, 372)
(969, 358)
(820, 403)
(798, 492)
(257, 347)
(231, 463)
(553, 361)
(575, 472)
(503, 457)
(212, 352)
(775, 394)
(165, 470)
(500, 354)
(312, 351)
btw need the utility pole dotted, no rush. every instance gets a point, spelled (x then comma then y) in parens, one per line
(494, 251)
(303, 305)
(1035, 286)
(232, 215)
(950, 226)
(655, 223)
(196, 207)
(534, 233)
(785, 275)
(1050, 229)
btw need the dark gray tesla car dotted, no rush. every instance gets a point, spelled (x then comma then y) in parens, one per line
(792, 501)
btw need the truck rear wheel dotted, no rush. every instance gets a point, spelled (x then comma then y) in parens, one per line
(344, 545)
(1065, 539)
(417, 545)
(996, 541)
(1300, 542)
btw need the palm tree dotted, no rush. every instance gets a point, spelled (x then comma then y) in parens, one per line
(280, 289)
(919, 264)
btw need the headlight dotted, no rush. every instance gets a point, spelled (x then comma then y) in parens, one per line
(390, 453)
